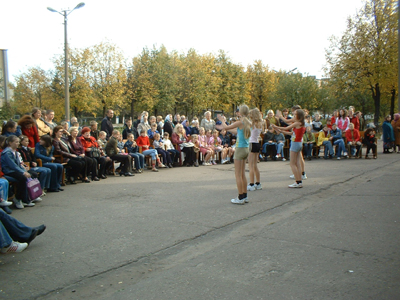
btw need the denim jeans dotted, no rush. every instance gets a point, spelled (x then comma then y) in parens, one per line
(12, 230)
(354, 149)
(308, 149)
(139, 160)
(341, 147)
(4, 186)
(152, 152)
(264, 149)
(328, 148)
(56, 174)
(279, 149)
(174, 154)
(44, 176)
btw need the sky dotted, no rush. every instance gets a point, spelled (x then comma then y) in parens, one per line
(282, 34)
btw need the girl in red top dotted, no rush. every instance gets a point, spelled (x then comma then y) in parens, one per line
(143, 143)
(28, 128)
(296, 145)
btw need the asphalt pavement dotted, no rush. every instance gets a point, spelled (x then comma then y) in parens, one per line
(175, 235)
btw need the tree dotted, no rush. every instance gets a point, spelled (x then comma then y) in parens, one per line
(140, 90)
(260, 85)
(108, 73)
(365, 57)
(32, 89)
(296, 89)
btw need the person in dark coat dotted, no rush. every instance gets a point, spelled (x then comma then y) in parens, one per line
(106, 123)
(168, 126)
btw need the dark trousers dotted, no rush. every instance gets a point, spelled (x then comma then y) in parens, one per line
(104, 162)
(369, 147)
(77, 167)
(125, 160)
(22, 192)
(190, 155)
(165, 156)
(91, 166)
(174, 154)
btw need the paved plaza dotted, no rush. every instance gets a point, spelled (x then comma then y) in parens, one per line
(175, 235)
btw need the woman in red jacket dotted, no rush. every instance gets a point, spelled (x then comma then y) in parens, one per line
(353, 140)
(88, 142)
(28, 128)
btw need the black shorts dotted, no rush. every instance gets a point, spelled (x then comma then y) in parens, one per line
(255, 147)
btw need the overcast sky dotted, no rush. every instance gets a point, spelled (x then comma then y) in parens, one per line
(283, 34)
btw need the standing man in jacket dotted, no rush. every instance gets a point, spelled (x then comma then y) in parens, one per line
(106, 123)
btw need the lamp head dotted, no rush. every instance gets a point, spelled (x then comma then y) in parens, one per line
(51, 9)
(82, 4)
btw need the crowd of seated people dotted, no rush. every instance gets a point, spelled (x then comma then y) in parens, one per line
(36, 147)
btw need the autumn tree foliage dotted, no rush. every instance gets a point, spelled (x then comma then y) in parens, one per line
(364, 60)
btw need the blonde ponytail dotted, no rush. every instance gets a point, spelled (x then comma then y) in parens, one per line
(244, 112)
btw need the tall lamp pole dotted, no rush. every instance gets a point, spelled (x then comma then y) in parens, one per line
(65, 13)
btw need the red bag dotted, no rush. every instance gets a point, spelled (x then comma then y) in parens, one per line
(34, 188)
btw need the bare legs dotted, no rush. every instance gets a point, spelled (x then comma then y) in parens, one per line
(253, 168)
(241, 181)
(296, 162)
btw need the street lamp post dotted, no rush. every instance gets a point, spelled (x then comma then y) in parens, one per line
(65, 13)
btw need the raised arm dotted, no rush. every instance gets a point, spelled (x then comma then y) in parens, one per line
(287, 128)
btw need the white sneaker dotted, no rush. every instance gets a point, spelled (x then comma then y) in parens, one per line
(303, 177)
(283, 159)
(15, 247)
(30, 204)
(251, 187)
(38, 199)
(296, 185)
(338, 157)
(258, 186)
(246, 200)
(237, 201)
(18, 203)
(5, 203)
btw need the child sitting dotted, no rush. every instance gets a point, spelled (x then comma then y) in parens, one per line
(226, 144)
(194, 138)
(308, 143)
(216, 143)
(144, 143)
(170, 148)
(269, 145)
(102, 140)
(204, 148)
(121, 144)
(159, 146)
(133, 150)
(279, 140)
(153, 130)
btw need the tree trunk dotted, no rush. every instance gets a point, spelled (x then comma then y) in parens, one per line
(392, 100)
(376, 95)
